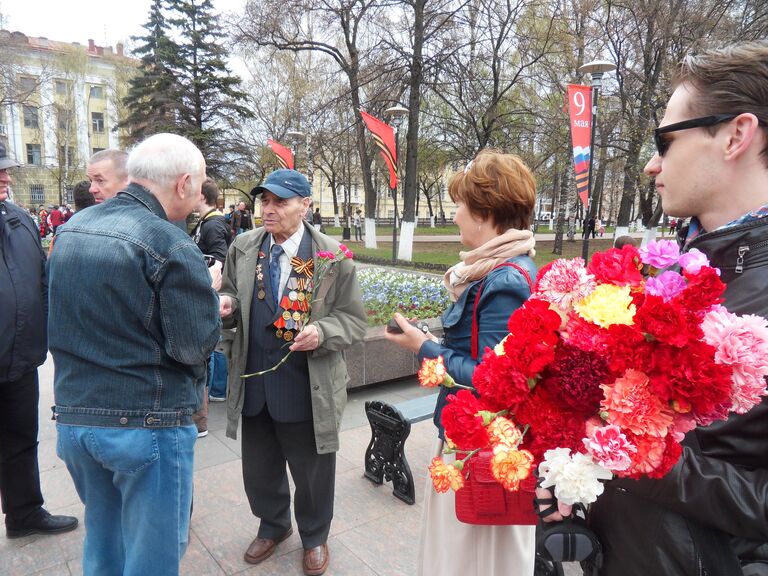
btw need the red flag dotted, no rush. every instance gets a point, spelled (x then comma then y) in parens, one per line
(384, 137)
(580, 107)
(284, 154)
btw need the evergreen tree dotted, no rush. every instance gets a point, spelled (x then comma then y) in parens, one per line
(154, 93)
(211, 102)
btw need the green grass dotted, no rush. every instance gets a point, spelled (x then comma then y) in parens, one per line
(447, 230)
(447, 253)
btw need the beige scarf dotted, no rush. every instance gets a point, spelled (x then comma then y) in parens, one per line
(477, 263)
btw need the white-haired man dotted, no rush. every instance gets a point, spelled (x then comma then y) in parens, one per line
(124, 410)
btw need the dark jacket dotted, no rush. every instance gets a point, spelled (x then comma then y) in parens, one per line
(23, 294)
(212, 235)
(646, 526)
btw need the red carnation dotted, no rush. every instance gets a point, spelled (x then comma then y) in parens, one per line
(691, 381)
(575, 377)
(655, 456)
(665, 321)
(551, 424)
(461, 422)
(627, 348)
(499, 382)
(586, 335)
(621, 267)
(535, 318)
(704, 290)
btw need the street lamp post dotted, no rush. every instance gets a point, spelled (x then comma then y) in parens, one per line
(396, 113)
(296, 136)
(595, 69)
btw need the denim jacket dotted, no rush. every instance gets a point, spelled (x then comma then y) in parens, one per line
(133, 317)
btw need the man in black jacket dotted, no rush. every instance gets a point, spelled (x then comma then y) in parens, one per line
(211, 233)
(23, 347)
(709, 515)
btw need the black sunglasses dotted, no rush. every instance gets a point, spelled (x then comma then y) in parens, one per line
(662, 144)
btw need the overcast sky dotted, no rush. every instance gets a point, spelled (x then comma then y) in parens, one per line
(105, 21)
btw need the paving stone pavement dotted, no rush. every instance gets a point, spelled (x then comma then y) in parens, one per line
(373, 533)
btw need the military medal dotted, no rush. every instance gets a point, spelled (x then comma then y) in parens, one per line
(261, 294)
(288, 336)
(279, 333)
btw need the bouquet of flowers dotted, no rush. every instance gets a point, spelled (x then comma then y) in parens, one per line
(604, 370)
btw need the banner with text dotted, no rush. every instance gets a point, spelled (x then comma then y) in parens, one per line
(580, 112)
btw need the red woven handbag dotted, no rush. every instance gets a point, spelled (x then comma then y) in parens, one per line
(482, 500)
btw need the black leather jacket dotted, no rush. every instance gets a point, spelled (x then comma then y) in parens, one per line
(645, 526)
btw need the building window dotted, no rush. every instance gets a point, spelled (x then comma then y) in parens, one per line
(66, 156)
(27, 84)
(97, 92)
(64, 118)
(34, 154)
(97, 122)
(62, 87)
(37, 193)
(30, 117)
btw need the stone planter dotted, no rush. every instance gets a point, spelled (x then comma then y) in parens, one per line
(375, 359)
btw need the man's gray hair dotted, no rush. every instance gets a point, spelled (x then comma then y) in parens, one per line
(117, 157)
(164, 157)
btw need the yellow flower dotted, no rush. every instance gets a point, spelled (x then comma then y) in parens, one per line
(502, 431)
(608, 305)
(445, 476)
(432, 373)
(509, 466)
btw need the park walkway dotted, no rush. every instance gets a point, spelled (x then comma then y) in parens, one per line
(373, 533)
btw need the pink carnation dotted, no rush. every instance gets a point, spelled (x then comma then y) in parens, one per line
(693, 261)
(343, 247)
(667, 285)
(348, 253)
(660, 254)
(565, 283)
(741, 342)
(325, 254)
(609, 447)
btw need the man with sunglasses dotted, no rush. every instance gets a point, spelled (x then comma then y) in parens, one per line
(709, 515)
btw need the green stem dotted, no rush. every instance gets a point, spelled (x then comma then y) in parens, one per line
(275, 367)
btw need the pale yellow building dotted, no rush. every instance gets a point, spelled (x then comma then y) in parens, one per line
(64, 105)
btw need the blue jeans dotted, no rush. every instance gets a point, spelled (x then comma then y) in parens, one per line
(217, 375)
(136, 484)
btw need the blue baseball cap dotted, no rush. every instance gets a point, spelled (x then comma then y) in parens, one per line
(285, 184)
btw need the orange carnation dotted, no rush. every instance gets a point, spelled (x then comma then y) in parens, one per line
(630, 404)
(432, 372)
(510, 466)
(502, 431)
(445, 476)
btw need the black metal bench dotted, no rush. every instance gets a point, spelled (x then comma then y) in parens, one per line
(390, 427)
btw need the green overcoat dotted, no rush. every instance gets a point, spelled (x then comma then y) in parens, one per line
(337, 312)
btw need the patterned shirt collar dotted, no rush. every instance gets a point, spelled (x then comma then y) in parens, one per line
(695, 228)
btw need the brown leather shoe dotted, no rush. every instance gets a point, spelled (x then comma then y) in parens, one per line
(262, 548)
(316, 560)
